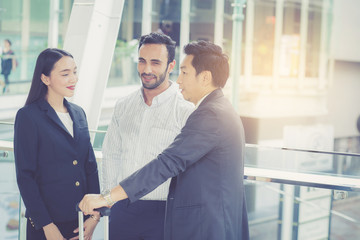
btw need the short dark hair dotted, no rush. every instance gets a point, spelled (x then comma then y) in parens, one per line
(159, 38)
(209, 57)
(44, 65)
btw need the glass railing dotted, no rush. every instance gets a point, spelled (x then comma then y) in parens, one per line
(291, 193)
(302, 194)
(10, 200)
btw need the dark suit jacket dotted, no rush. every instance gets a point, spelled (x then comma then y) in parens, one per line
(206, 198)
(54, 170)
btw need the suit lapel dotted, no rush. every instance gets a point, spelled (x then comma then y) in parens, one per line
(217, 93)
(74, 114)
(50, 112)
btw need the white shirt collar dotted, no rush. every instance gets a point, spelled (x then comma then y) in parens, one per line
(202, 99)
(162, 97)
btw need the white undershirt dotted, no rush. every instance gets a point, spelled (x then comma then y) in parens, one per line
(67, 121)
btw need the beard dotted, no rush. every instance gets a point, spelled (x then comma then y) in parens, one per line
(158, 80)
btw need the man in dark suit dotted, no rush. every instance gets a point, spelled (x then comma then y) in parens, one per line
(206, 196)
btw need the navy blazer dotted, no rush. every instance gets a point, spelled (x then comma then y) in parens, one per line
(206, 162)
(54, 170)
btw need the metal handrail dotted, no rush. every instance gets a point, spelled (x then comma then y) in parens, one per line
(91, 131)
(6, 123)
(303, 179)
(304, 150)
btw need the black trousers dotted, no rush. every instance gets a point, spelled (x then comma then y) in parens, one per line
(66, 229)
(6, 78)
(141, 220)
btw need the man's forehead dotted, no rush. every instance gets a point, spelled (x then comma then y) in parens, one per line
(153, 46)
(186, 62)
(153, 51)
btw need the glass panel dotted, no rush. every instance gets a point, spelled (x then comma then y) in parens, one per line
(202, 20)
(303, 161)
(348, 164)
(123, 69)
(313, 38)
(301, 212)
(166, 19)
(290, 40)
(264, 33)
(98, 137)
(9, 193)
(289, 209)
(228, 32)
(10, 28)
(228, 27)
(28, 31)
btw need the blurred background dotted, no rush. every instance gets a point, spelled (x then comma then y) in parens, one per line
(295, 82)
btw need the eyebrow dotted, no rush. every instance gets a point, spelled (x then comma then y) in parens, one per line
(155, 60)
(67, 69)
(151, 60)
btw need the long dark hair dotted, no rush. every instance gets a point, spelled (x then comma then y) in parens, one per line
(44, 65)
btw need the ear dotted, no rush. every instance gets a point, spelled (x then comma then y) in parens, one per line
(206, 78)
(171, 66)
(45, 79)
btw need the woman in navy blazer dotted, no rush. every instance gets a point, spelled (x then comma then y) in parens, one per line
(55, 162)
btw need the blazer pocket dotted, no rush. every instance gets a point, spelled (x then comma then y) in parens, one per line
(187, 222)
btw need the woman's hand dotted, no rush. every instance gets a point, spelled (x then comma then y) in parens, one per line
(89, 227)
(52, 232)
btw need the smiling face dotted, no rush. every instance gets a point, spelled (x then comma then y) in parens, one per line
(153, 67)
(189, 82)
(63, 78)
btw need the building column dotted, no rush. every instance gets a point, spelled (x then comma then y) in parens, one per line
(91, 38)
(53, 32)
(25, 37)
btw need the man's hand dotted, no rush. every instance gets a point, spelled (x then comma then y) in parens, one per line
(91, 202)
(52, 232)
(89, 227)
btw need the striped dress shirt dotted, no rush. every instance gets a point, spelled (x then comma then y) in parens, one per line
(138, 133)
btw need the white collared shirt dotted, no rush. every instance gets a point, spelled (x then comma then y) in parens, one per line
(138, 133)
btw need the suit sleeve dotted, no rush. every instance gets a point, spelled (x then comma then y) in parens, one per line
(198, 137)
(25, 150)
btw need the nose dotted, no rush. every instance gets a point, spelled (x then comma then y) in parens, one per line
(178, 80)
(74, 78)
(147, 68)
